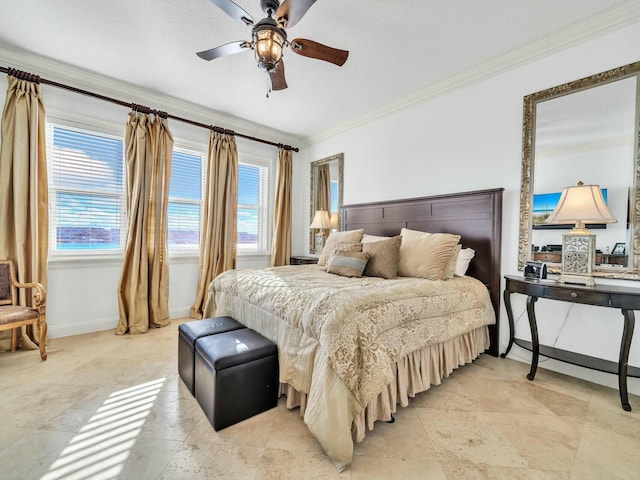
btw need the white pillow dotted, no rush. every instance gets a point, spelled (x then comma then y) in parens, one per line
(464, 258)
(372, 238)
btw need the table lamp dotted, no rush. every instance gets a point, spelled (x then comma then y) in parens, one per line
(322, 222)
(581, 204)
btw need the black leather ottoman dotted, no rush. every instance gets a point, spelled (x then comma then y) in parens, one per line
(236, 376)
(189, 332)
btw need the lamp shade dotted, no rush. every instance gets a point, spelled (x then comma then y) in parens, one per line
(321, 220)
(581, 204)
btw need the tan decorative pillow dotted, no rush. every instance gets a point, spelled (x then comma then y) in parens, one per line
(348, 264)
(350, 236)
(425, 255)
(343, 247)
(450, 270)
(346, 247)
(383, 261)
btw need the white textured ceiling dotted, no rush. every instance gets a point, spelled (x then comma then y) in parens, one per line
(396, 48)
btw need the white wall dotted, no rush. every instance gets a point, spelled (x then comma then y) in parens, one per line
(471, 139)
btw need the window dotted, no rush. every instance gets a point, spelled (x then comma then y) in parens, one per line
(185, 200)
(86, 191)
(87, 196)
(252, 202)
(333, 186)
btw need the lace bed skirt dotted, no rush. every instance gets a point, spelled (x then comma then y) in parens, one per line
(413, 374)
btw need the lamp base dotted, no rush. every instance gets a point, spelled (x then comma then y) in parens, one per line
(319, 242)
(578, 254)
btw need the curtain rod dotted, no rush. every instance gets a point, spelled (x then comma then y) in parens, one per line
(37, 79)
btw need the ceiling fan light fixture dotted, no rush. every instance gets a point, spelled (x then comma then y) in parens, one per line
(269, 37)
(268, 42)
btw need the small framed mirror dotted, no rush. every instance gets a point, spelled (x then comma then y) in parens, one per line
(325, 197)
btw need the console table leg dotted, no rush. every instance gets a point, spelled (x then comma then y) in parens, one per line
(507, 305)
(623, 363)
(535, 350)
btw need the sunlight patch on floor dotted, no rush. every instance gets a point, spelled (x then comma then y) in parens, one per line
(99, 450)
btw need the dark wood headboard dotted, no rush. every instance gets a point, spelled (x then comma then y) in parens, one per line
(475, 216)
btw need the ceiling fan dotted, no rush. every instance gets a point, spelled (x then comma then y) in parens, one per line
(269, 37)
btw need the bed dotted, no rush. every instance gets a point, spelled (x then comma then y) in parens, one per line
(352, 349)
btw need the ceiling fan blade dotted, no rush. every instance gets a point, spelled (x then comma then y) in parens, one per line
(223, 50)
(234, 11)
(291, 11)
(278, 81)
(309, 48)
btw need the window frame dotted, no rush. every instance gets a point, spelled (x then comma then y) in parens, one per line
(104, 129)
(189, 148)
(265, 226)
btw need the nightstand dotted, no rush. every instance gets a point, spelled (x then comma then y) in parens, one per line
(301, 260)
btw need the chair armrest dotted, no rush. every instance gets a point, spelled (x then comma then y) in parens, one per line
(39, 293)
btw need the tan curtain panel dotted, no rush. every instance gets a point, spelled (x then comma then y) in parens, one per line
(24, 218)
(220, 212)
(324, 188)
(143, 292)
(281, 247)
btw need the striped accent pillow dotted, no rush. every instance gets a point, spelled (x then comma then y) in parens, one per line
(348, 264)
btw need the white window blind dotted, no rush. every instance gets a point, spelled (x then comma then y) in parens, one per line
(185, 200)
(86, 191)
(252, 205)
(87, 196)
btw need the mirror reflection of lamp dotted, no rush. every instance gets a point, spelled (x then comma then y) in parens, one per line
(321, 222)
(335, 221)
(581, 204)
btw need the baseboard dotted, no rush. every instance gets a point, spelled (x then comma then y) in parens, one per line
(99, 325)
(79, 328)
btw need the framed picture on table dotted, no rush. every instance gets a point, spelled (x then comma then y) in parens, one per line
(618, 249)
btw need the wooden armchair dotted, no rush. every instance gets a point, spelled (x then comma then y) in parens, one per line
(14, 316)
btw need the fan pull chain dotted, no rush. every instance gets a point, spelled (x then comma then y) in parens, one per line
(269, 85)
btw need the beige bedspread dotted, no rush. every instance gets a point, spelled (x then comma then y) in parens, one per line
(338, 338)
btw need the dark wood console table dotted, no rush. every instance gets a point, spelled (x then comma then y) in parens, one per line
(626, 299)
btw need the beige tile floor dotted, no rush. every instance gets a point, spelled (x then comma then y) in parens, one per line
(110, 407)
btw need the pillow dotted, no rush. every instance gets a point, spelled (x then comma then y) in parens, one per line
(343, 247)
(348, 264)
(373, 238)
(425, 255)
(464, 258)
(346, 247)
(350, 236)
(384, 255)
(450, 270)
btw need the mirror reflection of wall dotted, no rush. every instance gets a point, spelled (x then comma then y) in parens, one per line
(587, 136)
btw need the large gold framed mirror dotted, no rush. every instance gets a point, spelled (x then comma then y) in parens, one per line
(325, 195)
(586, 130)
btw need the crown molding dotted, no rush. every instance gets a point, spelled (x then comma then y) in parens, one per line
(110, 87)
(585, 146)
(612, 19)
